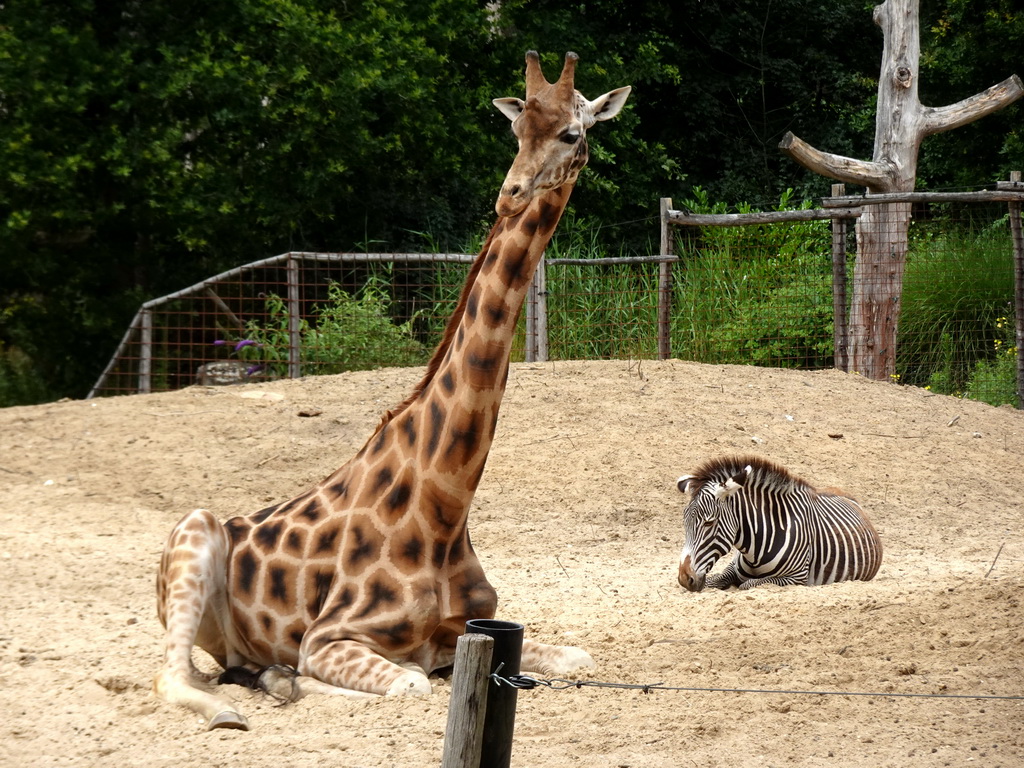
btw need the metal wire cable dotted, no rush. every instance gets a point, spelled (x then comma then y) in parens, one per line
(525, 682)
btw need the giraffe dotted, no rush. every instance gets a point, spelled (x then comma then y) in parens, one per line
(363, 584)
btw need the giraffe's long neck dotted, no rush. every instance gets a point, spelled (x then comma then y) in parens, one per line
(454, 410)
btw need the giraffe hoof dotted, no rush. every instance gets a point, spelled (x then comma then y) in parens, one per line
(228, 719)
(571, 659)
(410, 684)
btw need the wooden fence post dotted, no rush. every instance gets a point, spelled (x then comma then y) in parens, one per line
(840, 338)
(542, 310)
(1018, 274)
(463, 738)
(537, 316)
(665, 284)
(530, 342)
(294, 320)
(146, 351)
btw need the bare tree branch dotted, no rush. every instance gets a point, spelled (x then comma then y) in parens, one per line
(939, 119)
(845, 169)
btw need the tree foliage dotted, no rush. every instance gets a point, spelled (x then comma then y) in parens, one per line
(968, 46)
(146, 144)
(718, 82)
(149, 143)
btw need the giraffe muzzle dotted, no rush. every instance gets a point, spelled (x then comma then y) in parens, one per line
(512, 200)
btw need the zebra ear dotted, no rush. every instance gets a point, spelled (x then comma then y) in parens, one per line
(740, 478)
(683, 483)
(728, 489)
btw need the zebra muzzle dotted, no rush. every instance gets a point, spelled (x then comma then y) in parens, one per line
(688, 578)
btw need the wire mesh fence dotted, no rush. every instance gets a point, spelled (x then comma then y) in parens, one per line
(760, 291)
(769, 290)
(287, 316)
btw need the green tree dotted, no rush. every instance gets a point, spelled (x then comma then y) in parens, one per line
(717, 84)
(966, 47)
(147, 144)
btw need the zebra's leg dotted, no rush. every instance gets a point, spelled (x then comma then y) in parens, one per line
(794, 569)
(782, 581)
(730, 577)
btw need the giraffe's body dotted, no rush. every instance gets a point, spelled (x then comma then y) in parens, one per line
(365, 582)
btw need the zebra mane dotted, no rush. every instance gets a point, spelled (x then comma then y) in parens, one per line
(763, 473)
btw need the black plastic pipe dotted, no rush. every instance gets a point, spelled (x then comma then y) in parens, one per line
(500, 717)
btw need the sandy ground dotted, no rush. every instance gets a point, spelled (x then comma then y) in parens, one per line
(578, 524)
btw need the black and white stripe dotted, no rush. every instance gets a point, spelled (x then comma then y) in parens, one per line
(785, 531)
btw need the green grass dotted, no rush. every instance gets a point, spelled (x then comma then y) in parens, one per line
(755, 294)
(957, 290)
(746, 295)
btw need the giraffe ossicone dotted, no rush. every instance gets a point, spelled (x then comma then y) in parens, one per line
(364, 583)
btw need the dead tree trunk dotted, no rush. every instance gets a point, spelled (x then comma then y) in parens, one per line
(901, 123)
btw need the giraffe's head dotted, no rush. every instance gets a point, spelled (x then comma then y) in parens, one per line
(551, 127)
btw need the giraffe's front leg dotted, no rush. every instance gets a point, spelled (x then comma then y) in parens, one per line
(286, 684)
(191, 604)
(554, 660)
(385, 648)
(353, 667)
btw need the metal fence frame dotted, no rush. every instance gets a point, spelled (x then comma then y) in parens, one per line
(142, 322)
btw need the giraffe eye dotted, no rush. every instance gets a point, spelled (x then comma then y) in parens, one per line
(570, 138)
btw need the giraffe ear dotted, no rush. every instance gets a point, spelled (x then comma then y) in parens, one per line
(510, 107)
(609, 105)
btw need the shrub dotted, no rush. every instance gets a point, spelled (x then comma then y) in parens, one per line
(349, 333)
(20, 382)
(995, 381)
(758, 293)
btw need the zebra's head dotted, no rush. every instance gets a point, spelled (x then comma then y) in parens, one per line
(710, 522)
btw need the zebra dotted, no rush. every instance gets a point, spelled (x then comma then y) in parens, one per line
(785, 530)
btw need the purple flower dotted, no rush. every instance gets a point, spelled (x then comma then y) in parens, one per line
(253, 369)
(219, 343)
(245, 343)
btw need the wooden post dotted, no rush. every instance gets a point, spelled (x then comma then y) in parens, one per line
(1018, 278)
(463, 738)
(537, 316)
(665, 284)
(294, 320)
(500, 716)
(146, 351)
(839, 327)
(118, 355)
(530, 351)
(224, 308)
(542, 310)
